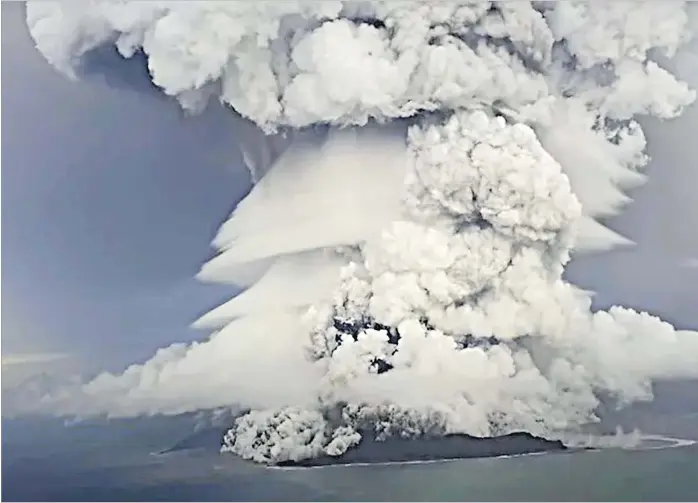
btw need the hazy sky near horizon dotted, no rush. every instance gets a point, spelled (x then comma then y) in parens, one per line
(110, 197)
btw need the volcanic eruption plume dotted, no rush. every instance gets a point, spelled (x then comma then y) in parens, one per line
(425, 172)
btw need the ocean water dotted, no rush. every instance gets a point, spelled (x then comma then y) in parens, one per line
(45, 461)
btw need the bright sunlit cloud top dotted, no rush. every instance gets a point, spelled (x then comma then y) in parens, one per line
(438, 166)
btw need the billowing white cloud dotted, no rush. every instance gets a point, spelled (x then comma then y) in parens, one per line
(436, 166)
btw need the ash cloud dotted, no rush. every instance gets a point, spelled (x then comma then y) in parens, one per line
(427, 172)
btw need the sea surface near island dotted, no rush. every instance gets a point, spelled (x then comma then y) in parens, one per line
(45, 461)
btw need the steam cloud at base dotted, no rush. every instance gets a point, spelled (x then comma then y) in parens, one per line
(437, 164)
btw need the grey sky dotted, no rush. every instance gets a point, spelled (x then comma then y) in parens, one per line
(110, 197)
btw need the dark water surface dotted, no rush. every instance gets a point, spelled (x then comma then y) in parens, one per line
(44, 461)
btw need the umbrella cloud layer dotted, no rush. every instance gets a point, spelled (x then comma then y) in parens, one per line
(423, 171)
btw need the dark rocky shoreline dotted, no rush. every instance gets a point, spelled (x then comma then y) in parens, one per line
(400, 450)
(434, 448)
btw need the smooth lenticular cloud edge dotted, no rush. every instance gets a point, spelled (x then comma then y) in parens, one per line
(427, 173)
